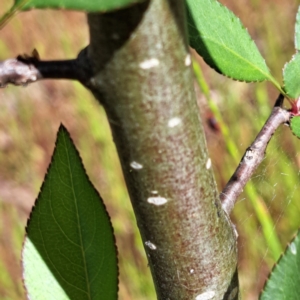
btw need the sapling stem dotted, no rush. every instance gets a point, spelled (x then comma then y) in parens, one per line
(253, 156)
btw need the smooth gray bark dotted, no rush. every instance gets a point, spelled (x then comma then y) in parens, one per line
(143, 78)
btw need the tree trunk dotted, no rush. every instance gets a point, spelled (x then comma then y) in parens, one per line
(143, 78)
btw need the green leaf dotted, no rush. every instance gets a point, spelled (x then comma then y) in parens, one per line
(223, 42)
(291, 70)
(86, 5)
(297, 30)
(284, 281)
(295, 126)
(69, 250)
(83, 5)
(291, 77)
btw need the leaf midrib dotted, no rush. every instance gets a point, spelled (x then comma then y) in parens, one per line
(78, 222)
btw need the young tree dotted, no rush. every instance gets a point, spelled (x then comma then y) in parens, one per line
(138, 67)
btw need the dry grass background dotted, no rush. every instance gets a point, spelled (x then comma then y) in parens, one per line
(30, 116)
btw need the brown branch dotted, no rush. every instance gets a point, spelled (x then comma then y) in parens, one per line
(253, 156)
(27, 69)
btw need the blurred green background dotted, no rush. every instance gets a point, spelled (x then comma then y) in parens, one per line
(30, 117)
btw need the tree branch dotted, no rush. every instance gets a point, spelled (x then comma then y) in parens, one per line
(27, 69)
(253, 156)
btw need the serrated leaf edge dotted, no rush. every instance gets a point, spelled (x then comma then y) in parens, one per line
(268, 75)
(283, 73)
(292, 130)
(63, 128)
(278, 261)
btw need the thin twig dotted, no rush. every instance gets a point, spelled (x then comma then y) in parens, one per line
(26, 69)
(253, 156)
